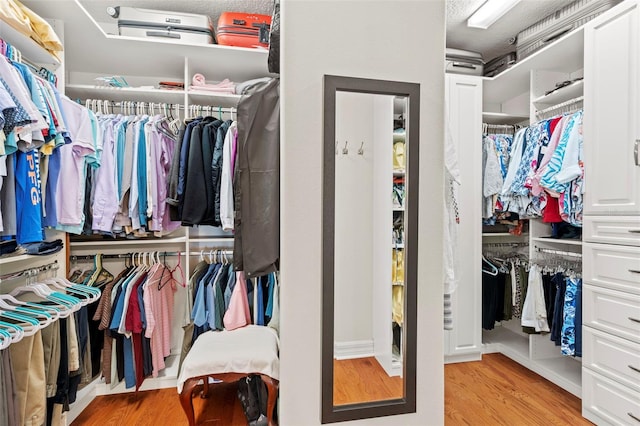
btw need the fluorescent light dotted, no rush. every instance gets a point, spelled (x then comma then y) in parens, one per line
(490, 12)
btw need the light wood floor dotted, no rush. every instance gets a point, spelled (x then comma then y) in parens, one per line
(494, 391)
(363, 380)
(499, 391)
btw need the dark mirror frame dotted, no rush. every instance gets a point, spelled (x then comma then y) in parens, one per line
(407, 404)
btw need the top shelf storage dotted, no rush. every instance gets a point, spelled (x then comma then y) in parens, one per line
(28, 47)
(153, 58)
(563, 55)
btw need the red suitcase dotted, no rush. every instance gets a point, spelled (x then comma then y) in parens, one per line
(243, 29)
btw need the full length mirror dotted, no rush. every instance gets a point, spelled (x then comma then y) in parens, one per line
(369, 247)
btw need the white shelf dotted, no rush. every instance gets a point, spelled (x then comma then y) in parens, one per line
(15, 258)
(504, 234)
(515, 80)
(558, 241)
(28, 47)
(501, 339)
(87, 91)
(124, 242)
(200, 240)
(23, 257)
(503, 118)
(566, 93)
(157, 58)
(201, 97)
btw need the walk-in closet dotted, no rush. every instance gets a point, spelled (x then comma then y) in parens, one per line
(305, 212)
(541, 217)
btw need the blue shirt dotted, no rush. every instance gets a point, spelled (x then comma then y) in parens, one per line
(231, 282)
(199, 313)
(51, 219)
(271, 282)
(28, 198)
(259, 308)
(142, 174)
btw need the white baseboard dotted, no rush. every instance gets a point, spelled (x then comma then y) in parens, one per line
(353, 349)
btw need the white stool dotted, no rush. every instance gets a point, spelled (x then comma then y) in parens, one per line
(228, 356)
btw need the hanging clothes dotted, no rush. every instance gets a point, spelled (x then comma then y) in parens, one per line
(541, 170)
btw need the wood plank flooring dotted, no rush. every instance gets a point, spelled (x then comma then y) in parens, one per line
(494, 391)
(363, 380)
(499, 391)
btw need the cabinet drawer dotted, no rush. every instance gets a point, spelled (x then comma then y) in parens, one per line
(611, 311)
(616, 358)
(612, 230)
(616, 267)
(610, 402)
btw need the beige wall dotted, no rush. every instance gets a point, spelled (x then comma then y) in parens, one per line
(393, 40)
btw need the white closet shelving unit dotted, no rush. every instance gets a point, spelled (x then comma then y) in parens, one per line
(516, 96)
(36, 55)
(464, 111)
(144, 63)
(611, 265)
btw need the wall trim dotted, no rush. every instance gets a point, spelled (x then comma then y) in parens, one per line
(353, 349)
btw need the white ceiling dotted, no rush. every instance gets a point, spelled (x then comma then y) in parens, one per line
(497, 39)
(491, 42)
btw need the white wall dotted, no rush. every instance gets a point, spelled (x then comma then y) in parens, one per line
(354, 224)
(395, 40)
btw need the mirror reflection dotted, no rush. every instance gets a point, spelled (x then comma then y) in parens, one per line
(369, 260)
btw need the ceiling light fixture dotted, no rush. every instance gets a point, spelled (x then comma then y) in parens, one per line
(490, 12)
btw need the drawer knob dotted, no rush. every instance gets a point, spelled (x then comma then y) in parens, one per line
(634, 231)
(634, 271)
(634, 319)
(633, 417)
(637, 370)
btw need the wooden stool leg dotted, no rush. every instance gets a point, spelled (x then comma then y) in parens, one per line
(272, 392)
(186, 400)
(205, 388)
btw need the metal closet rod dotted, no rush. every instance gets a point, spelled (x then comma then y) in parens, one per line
(121, 104)
(561, 105)
(161, 254)
(514, 244)
(559, 252)
(29, 272)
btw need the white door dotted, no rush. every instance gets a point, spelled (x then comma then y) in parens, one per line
(464, 102)
(612, 113)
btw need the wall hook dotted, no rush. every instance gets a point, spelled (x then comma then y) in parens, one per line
(345, 150)
(361, 150)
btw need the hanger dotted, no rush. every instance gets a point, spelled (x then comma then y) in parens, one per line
(29, 325)
(15, 331)
(493, 271)
(71, 303)
(5, 339)
(42, 316)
